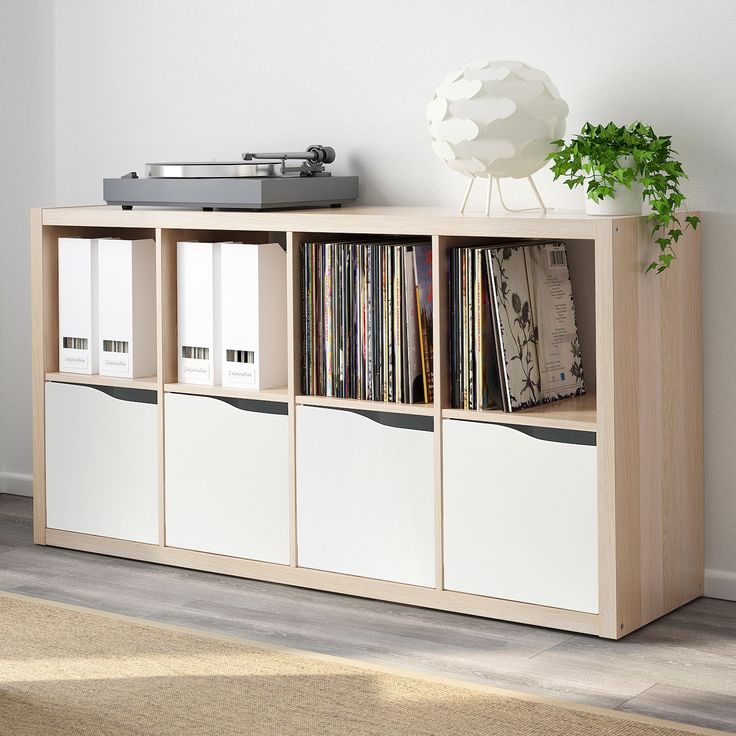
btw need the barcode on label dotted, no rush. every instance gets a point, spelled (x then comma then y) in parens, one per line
(557, 257)
(75, 343)
(240, 356)
(115, 346)
(195, 353)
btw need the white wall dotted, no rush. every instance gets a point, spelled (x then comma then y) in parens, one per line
(184, 79)
(26, 180)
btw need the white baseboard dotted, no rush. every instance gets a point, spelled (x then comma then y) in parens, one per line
(18, 484)
(720, 584)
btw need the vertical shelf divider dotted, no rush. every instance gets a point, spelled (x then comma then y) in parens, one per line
(605, 381)
(293, 331)
(45, 346)
(441, 383)
(161, 308)
(166, 345)
(43, 297)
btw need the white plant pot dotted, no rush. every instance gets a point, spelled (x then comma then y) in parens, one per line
(625, 201)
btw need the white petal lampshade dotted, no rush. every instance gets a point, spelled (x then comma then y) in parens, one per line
(496, 119)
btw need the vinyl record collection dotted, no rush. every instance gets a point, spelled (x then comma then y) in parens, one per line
(367, 320)
(473, 356)
(513, 335)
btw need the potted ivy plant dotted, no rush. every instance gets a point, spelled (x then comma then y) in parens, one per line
(623, 167)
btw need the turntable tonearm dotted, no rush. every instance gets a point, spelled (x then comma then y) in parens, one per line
(261, 181)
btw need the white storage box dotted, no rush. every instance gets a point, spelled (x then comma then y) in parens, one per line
(102, 461)
(365, 494)
(520, 513)
(227, 476)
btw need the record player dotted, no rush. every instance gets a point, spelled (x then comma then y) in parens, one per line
(260, 181)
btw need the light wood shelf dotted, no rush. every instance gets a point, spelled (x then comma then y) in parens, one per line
(270, 394)
(356, 219)
(359, 405)
(641, 369)
(148, 382)
(576, 413)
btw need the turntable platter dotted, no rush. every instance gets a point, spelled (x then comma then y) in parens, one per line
(212, 170)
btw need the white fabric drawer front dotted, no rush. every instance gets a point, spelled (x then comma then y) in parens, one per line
(227, 477)
(102, 461)
(520, 514)
(365, 494)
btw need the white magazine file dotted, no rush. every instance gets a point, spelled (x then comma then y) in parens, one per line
(198, 311)
(253, 315)
(78, 316)
(127, 307)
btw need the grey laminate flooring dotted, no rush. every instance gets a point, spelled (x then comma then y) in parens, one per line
(682, 667)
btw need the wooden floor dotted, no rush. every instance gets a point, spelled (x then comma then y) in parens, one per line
(682, 667)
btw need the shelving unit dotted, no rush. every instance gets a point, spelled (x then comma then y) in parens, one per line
(599, 529)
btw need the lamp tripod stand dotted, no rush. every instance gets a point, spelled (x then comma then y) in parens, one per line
(500, 195)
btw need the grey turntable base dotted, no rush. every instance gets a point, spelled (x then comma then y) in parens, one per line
(243, 193)
(260, 181)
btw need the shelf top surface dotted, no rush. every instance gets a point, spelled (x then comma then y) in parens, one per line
(575, 412)
(233, 392)
(350, 219)
(95, 379)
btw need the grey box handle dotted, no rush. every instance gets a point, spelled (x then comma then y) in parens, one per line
(416, 422)
(137, 395)
(253, 405)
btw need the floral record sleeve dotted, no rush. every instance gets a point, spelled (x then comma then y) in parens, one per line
(538, 333)
(558, 347)
(517, 329)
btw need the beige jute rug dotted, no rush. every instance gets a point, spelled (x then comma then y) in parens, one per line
(68, 670)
